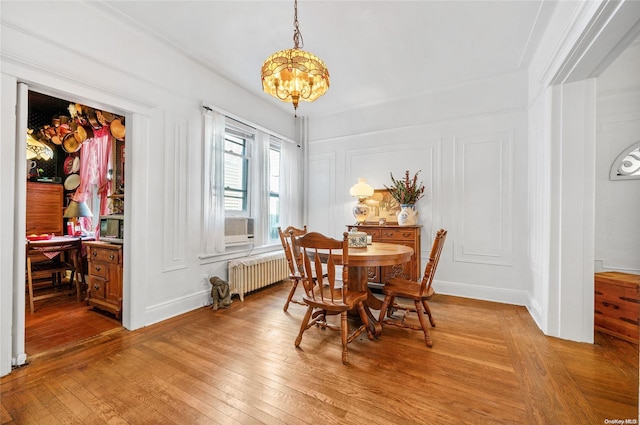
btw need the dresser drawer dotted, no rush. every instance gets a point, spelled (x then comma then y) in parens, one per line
(98, 269)
(97, 287)
(398, 234)
(107, 255)
(374, 233)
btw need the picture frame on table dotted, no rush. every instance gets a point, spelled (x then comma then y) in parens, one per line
(383, 208)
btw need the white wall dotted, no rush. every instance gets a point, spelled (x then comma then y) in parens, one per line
(81, 52)
(471, 144)
(617, 245)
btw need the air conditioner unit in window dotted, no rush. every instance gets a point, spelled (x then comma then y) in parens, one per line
(238, 230)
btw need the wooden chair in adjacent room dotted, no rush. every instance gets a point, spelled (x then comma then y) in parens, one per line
(49, 261)
(324, 292)
(286, 236)
(418, 292)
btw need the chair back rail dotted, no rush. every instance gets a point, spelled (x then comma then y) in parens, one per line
(312, 248)
(432, 264)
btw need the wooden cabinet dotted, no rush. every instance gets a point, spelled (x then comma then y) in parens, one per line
(44, 208)
(401, 235)
(617, 304)
(105, 276)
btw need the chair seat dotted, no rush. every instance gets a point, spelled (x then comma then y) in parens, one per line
(404, 288)
(338, 304)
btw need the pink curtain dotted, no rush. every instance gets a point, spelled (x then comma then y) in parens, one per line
(95, 157)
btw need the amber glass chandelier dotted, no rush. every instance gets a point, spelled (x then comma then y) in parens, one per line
(292, 75)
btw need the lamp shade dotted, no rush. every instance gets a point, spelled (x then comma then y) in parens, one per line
(77, 209)
(38, 150)
(292, 75)
(361, 189)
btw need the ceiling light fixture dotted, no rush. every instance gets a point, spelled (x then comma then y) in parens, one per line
(292, 75)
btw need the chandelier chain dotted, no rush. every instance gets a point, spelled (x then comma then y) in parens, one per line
(298, 42)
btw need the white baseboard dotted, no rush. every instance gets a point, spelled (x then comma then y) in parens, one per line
(485, 293)
(166, 310)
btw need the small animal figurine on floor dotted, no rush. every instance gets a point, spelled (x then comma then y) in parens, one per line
(220, 293)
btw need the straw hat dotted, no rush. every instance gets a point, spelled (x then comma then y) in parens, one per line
(117, 129)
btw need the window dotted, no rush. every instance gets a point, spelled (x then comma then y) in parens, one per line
(245, 176)
(236, 172)
(274, 189)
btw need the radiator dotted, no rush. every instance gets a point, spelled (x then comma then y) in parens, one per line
(251, 273)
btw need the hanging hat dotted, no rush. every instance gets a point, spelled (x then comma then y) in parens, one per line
(70, 144)
(117, 129)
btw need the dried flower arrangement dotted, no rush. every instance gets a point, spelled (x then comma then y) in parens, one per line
(406, 191)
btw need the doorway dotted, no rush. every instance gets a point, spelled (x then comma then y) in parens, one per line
(59, 130)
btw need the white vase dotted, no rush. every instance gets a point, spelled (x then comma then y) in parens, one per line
(407, 216)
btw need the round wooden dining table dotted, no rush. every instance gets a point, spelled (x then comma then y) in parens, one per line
(376, 254)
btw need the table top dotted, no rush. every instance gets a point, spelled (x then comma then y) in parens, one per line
(380, 254)
(60, 239)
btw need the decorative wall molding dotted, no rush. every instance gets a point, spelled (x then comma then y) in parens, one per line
(174, 185)
(414, 155)
(483, 199)
(322, 193)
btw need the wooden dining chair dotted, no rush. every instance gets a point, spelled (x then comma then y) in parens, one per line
(50, 260)
(324, 293)
(286, 236)
(418, 292)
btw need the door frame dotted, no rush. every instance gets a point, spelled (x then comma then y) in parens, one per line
(12, 220)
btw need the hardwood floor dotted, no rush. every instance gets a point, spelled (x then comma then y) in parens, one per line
(62, 321)
(489, 364)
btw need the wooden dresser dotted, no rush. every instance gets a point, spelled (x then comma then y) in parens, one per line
(105, 276)
(44, 208)
(617, 304)
(402, 235)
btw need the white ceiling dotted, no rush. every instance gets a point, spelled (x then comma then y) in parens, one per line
(375, 50)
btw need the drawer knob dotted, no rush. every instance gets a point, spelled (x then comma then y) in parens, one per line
(94, 253)
(111, 257)
(98, 268)
(96, 287)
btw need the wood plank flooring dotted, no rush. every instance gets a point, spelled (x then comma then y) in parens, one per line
(62, 321)
(489, 364)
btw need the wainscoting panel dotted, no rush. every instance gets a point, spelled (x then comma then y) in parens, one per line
(175, 186)
(321, 192)
(483, 199)
(376, 163)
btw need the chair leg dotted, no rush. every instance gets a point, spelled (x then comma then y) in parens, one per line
(74, 279)
(392, 307)
(30, 283)
(383, 310)
(344, 331)
(294, 285)
(303, 326)
(428, 310)
(423, 324)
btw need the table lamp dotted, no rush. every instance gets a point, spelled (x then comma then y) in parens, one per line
(73, 211)
(362, 191)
